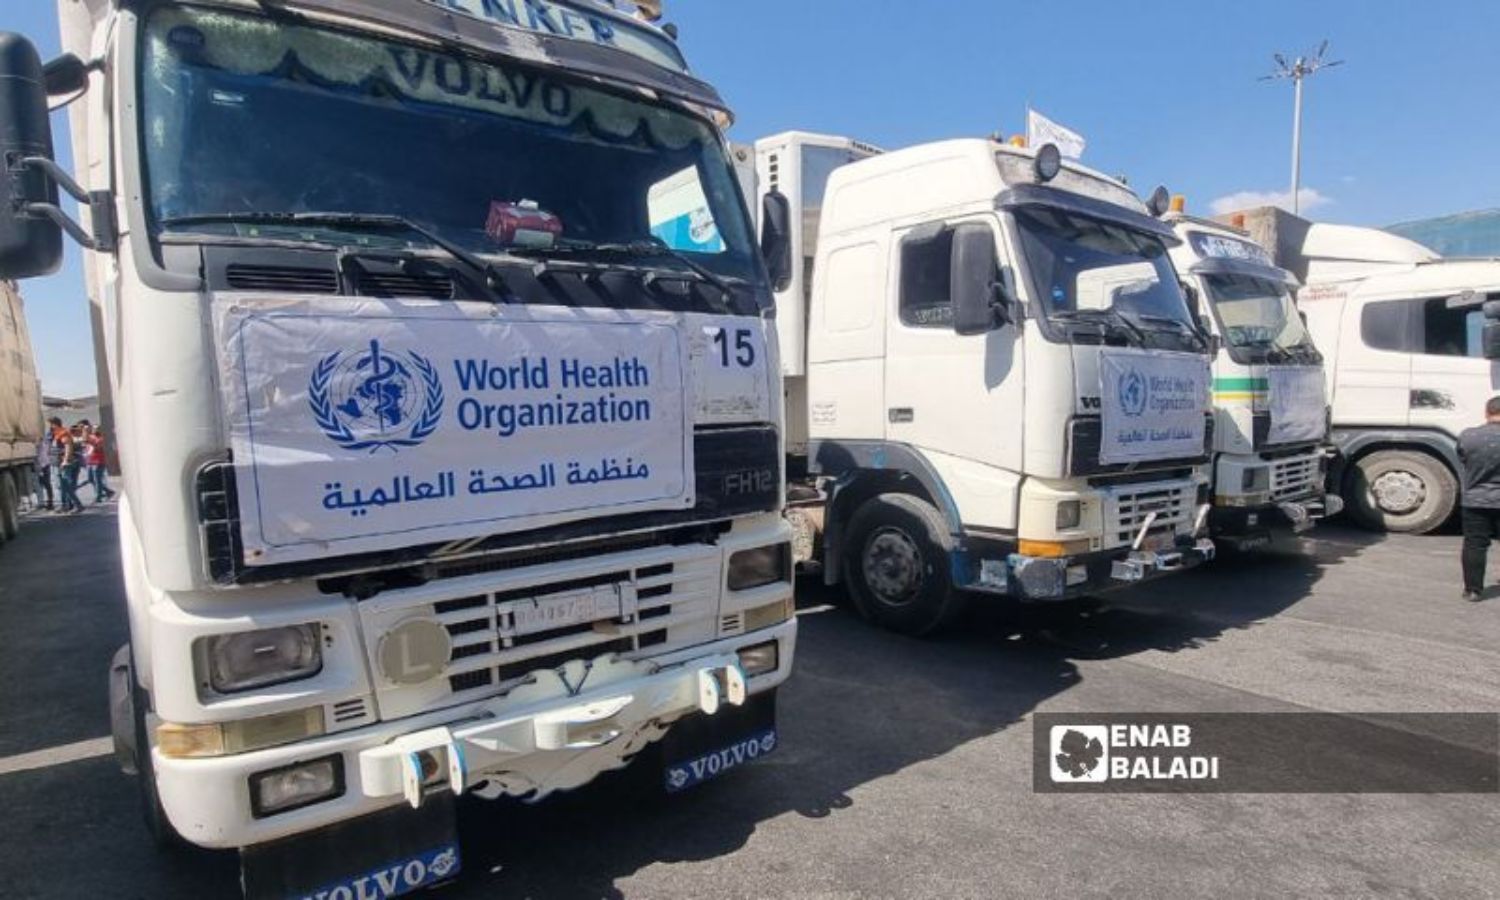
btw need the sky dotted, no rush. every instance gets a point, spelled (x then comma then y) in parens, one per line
(1164, 92)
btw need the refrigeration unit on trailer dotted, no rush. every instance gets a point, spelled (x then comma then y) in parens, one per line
(1002, 388)
(450, 429)
(1270, 402)
(1409, 340)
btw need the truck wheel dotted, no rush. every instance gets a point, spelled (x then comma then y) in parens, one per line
(158, 825)
(898, 565)
(10, 508)
(1401, 491)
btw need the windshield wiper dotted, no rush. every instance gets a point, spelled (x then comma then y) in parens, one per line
(1102, 317)
(1275, 352)
(1180, 326)
(482, 269)
(642, 249)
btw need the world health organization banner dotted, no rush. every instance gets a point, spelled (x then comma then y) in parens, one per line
(1152, 405)
(1299, 404)
(362, 425)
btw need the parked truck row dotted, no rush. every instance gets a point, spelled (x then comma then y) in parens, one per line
(490, 478)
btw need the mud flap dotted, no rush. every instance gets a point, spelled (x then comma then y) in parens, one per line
(702, 747)
(387, 854)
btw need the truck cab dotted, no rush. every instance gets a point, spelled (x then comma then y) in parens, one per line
(1270, 402)
(1408, 341)
(1002, 387)
(444, 472)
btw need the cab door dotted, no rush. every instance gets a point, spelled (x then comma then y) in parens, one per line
(1372, 381)
(1450, 378)
(958, 396)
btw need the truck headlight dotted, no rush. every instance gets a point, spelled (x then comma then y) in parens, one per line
(1255, 478)
(295, 786)
(1069, 514)
(252, 659)
(760, 659)
(758, 567)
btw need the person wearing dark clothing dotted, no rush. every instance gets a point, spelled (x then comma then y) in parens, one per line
(1479, 451)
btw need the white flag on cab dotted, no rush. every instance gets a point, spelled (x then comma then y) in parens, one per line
(1042, 130)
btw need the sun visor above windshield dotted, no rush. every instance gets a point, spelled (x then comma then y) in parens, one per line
(252, 46)
(585, 40)
(1040, 195)
(1227, 266)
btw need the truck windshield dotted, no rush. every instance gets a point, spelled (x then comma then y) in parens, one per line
(1258, 318)
(1104, 280)
(244, 116)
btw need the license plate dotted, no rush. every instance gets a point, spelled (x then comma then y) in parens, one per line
(560, 611)
(1160, 542)
(682, 775)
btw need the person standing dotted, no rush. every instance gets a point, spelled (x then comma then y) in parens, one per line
(93, 459)
(1479, 451)
(70, 468)
(43, 465)
(57, 448)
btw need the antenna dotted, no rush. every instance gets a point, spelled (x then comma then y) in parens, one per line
(1297, 70)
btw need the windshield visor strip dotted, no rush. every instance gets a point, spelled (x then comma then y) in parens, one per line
(534, 44)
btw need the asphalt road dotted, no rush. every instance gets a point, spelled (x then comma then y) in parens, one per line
(905, 766)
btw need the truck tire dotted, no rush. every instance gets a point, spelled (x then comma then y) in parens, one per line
(1402, 491)
(163, 835)
(10, 507)
(897, 566)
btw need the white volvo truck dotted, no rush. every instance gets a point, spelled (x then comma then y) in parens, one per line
(1270, 402)
(1404, 333)
(442, 475)
(994, 383)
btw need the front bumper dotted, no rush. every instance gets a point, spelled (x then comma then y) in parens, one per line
(1248, 526)
(1045, 578)
(559, 732)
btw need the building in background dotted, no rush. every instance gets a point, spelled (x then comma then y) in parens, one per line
(1475, 233)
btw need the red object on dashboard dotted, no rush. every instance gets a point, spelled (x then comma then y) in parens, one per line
(523, 224)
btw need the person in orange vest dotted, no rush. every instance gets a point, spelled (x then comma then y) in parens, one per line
(94, 461)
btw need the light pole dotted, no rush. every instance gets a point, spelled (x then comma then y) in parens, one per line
(1297, 70)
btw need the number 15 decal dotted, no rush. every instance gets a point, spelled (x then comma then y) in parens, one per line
(741, 354)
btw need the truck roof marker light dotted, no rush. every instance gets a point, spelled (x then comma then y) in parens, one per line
(648, 10)
(1018, 140)
(1179, 203)
(1238, 220)
(1048, 162)
(1159, 202)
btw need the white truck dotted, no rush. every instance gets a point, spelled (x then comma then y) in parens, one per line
(1409, 338)
(20, 411)
(442, 475)
(1270, 402)
(994, 384)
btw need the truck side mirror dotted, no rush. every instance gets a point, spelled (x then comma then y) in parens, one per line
(1489, 339)
(30, 239)
(974, 280)
(776, 239)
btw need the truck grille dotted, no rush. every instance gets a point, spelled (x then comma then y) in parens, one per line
(646, 602)
(1126, 508)
(1295, 476)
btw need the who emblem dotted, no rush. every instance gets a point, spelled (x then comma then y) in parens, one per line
(1134, 393)
(376, 400)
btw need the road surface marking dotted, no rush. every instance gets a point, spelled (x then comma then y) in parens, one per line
(56, 756)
